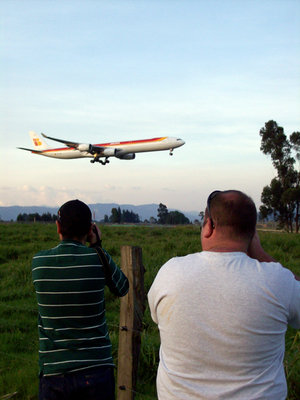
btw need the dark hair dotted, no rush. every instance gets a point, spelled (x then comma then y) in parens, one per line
(75, 219)
(234, 211)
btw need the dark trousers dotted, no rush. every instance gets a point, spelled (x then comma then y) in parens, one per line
(89, 384)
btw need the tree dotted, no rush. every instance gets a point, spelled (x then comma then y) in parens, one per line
(22, 217)
(275, 143)
(162, 213)
(130, 216)
(176, 218)
(201, 215)
(118, 217)
(282, 197)
(47, 217)
(171, 218)
(115, 217)
(295, 141)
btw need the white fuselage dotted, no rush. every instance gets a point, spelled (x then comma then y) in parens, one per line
(134, 146)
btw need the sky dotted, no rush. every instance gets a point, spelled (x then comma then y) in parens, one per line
(209, 72)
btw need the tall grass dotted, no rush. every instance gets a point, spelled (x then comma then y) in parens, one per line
(18, 311)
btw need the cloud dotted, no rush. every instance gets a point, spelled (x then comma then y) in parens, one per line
(27, 195)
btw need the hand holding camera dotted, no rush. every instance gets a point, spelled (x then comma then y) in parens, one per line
(94, 237)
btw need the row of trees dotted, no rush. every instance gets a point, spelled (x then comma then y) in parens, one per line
(164, 217)
(117, 216)
(35, 217)
(281, 198)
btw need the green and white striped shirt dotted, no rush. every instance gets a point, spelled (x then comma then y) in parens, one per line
(69, 281)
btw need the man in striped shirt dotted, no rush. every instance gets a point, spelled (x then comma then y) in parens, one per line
(75, 356)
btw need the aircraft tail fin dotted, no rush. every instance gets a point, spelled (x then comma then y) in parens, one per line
(38, 142)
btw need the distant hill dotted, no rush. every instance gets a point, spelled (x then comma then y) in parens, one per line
(99, 210)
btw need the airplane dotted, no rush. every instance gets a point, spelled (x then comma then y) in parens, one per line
(122, 150)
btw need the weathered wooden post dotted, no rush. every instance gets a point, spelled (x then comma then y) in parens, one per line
(132, 309)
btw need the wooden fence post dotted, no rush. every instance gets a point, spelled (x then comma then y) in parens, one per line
(132, 309)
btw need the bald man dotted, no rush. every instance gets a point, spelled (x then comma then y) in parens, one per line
(223, 313)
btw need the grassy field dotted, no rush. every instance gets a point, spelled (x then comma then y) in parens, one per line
(18, 311)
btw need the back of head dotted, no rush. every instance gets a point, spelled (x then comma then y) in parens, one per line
(234, 213)
(75, 219)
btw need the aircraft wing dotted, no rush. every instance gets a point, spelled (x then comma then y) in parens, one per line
(79, 146)
(32, 151)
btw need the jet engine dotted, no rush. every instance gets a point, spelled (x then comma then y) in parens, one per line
(126, 156)
(109, 152)
(84, 147)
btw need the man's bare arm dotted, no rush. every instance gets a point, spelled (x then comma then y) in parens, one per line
(256, 251)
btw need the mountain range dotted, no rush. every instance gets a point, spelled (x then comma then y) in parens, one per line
(99, 210)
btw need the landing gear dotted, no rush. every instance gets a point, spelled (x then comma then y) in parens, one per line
(171, 152)
(106, 161)
(97, 159)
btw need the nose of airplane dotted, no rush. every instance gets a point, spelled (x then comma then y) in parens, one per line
(180, 142)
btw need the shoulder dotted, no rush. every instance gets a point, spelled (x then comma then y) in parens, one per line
(189, 259)
(277, 279)
(65, 248)
(277, 270)
(178, 266)
(43, 257)
(43, 253)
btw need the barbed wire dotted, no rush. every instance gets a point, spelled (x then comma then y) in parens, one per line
(35, 310)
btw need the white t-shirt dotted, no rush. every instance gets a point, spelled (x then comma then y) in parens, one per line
(222, 319)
